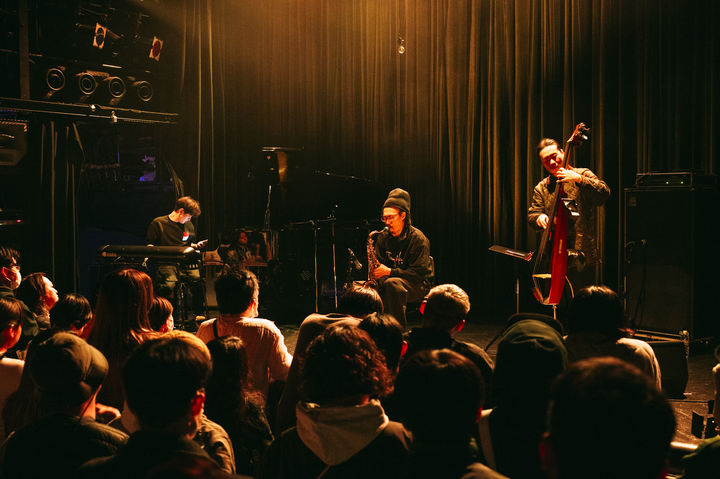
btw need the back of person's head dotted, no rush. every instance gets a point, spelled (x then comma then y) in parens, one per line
(189, 204)
(597, 309)
(162, 378)
(67, 372)
(31, 291)
(387, 333)
(342, 365)
(121, 313)
(72, 312)
(445, 306)
(8, 257)
(235, 290)
(159, 313)
(10, 322)
(530, 355)
(607, 419)
(440, 393)
(228, 382)
(359, 301)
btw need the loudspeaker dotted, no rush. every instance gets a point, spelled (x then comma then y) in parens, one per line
(670, 259)
(672, 358)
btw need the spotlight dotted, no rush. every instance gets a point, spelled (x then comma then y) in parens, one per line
(143, 90)
(55, 79)
(99, 37)
(116, 88)
(87, 84)
(156, 49)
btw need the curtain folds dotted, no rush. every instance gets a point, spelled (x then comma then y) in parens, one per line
(456, 117)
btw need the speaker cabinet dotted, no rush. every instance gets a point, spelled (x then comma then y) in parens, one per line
(670, 259)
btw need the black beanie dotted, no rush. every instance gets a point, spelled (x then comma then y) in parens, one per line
(398, 198)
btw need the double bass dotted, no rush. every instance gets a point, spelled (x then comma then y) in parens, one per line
(551, 257)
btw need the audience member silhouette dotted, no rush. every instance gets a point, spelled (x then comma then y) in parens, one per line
(598, 327)
(10, 279)
(39, 295)
(444, 312)
(237, 293)
(73, 314)
(530, 355)
(121, 324)
(230, 405)
(164, 380)
(160, 315)
(607, 419)
(342, 430)
(440, 393)
(68, 373)
(356, 303)
(10, 369)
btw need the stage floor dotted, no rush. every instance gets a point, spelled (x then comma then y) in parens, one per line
(699, 390)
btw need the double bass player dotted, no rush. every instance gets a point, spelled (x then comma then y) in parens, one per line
(588, 192)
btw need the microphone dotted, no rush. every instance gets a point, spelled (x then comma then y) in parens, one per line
(357, 264)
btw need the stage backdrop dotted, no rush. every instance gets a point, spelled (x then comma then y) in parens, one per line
(447, 99)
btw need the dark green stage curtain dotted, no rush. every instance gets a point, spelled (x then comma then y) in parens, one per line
(456, 117)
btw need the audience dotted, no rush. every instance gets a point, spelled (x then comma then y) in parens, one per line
(530, 355)
(164, 382)
(10, 369)
(39, 295)
(229, 404)
(342, 430)
(160, 315)
(444, 312)
(441, 394)
(598, 327)
(237, 294)
(607, 419)
(355, 304)
(72, 314)
(10, 279)
(121, 324)
(68, 373)
(387, 332)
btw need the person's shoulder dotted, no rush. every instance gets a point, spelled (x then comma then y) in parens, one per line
(107, 434)
(418, 234)
(99, 467)
(479, 470)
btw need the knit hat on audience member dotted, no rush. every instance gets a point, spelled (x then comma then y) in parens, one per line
(67, 370)
(398, 198)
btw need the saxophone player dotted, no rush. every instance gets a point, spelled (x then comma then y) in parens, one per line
(404, 269)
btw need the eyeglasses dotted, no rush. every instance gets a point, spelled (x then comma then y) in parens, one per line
(13, 265)
(387, 218)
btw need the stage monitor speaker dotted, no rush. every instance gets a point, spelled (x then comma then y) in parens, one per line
(670, 259)
(673, 363)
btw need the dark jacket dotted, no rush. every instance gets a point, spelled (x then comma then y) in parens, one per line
(57, 445)
(407, 256)
(588, 195)
(156, 454)
(29, 321)
(420, 339)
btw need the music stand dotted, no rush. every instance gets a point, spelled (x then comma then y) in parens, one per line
(519, 256)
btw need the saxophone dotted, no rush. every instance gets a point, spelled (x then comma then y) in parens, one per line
(372, 259)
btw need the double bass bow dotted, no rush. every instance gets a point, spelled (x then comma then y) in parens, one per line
(551, 257)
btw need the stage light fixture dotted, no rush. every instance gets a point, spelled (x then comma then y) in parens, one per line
(99, 37)
(54, 80)
(115, 88)
(87, 84)
(156, 49)
(143, 90)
